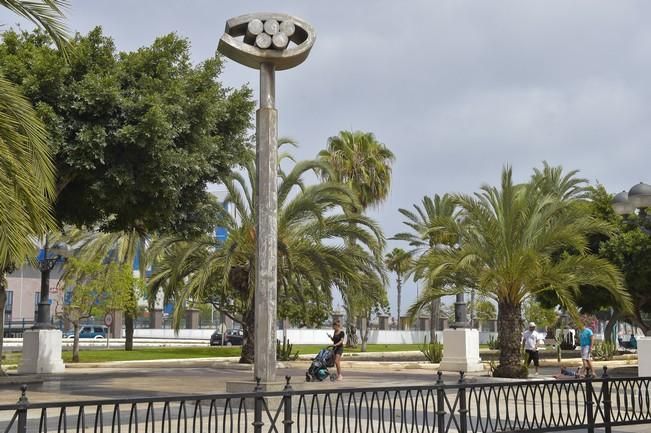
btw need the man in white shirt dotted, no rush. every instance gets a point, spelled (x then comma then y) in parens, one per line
(530, 340)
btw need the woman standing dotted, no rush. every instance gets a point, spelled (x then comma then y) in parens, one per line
(338, 343)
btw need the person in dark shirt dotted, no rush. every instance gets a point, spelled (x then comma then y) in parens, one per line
(338, 339)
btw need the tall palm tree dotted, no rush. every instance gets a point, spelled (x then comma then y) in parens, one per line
(27, 171)
(398, 261)
(359, 160)
(314, 257)
(517, 241)
(433, 225)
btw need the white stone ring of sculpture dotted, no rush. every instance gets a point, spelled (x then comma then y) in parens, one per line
(265, 38)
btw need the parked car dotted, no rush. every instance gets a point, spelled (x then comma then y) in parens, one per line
(233, 337)
(89, 331)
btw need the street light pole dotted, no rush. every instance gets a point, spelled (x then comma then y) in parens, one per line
(269, 43)
(45, 264)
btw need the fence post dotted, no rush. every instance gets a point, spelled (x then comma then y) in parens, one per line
(605, 390)
(589, 402)
(22, 406)
(257, 407)
(463, 406)
(287, 402)
(440, 403)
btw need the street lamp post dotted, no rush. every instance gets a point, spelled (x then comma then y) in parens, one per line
(46, 262)
(267, 42)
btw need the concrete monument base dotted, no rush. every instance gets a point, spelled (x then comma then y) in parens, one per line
(42, 352)
(461, 350)
(644, 356)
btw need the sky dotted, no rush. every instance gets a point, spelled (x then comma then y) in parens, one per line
(456, 89)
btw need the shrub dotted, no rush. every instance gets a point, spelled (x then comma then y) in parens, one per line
(604, 350)
(284, 351)
(493, 343)
(433, 350)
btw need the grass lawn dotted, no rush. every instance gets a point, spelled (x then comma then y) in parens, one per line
(103, 355)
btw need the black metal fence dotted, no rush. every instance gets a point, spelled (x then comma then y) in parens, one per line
(532, 406)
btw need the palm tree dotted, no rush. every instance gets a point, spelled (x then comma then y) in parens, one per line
(398, 261)
(27, 171)
(433, 225)
(518, 241)
(314, 224)
(359, 161)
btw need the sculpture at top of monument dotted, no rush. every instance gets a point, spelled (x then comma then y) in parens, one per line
(282, 40)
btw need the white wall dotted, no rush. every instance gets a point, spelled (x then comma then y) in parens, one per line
(311, 336)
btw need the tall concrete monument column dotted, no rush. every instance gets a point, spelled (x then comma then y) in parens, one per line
(460, 344)
(268, 42)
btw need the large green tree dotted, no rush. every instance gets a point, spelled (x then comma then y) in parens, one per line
(509, 246)
(357, 159)
(315, 225)
(136, 136)
(26, 169)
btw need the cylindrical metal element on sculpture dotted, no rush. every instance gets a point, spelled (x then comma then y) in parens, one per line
(253, 29)
(263, 41)
(287, 27)
(279, 41)
(271, 27)
(266, 230)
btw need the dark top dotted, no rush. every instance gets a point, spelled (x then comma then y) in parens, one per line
(336, 339)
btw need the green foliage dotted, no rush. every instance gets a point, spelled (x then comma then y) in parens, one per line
(604, 350)
(315, 252)
(484, 309)
(543, 317)
(494, 343)
(433, 350)
(138, 135)
(514, 242)
(284, 351)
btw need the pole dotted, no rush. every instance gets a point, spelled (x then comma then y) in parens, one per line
(266, 222)
(43, 311)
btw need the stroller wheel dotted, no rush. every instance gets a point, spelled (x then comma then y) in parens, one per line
(332, 378)
(307, 377)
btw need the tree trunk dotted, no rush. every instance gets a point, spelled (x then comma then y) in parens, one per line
(608, 331)
(247, 355)
(364, 331)
(75, 343)
(510, 337)
(128, 331)
(3, 302)
(399, 296)
(434, 313)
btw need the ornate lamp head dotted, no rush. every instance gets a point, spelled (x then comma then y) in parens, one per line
(282, 40)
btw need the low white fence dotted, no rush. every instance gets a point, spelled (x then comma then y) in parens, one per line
(311, 336)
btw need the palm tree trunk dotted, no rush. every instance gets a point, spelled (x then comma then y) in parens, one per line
(247, 355)
(128, 331)
(399, 296)
(75, 343)
(434, 313)
(3, 302)
(509, 331)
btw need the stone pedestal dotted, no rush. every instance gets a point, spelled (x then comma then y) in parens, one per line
(156, 319)
(192, 318)
(461, 350)
(42, 352)
(644, 356)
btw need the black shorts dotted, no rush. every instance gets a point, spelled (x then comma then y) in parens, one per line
(338, 350)
(532, 355)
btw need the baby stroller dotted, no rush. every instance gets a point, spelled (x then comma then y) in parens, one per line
(318, 370)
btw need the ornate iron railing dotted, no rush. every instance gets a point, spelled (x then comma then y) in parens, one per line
(518, 406)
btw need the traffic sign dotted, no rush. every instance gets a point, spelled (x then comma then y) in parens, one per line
(108, 319)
